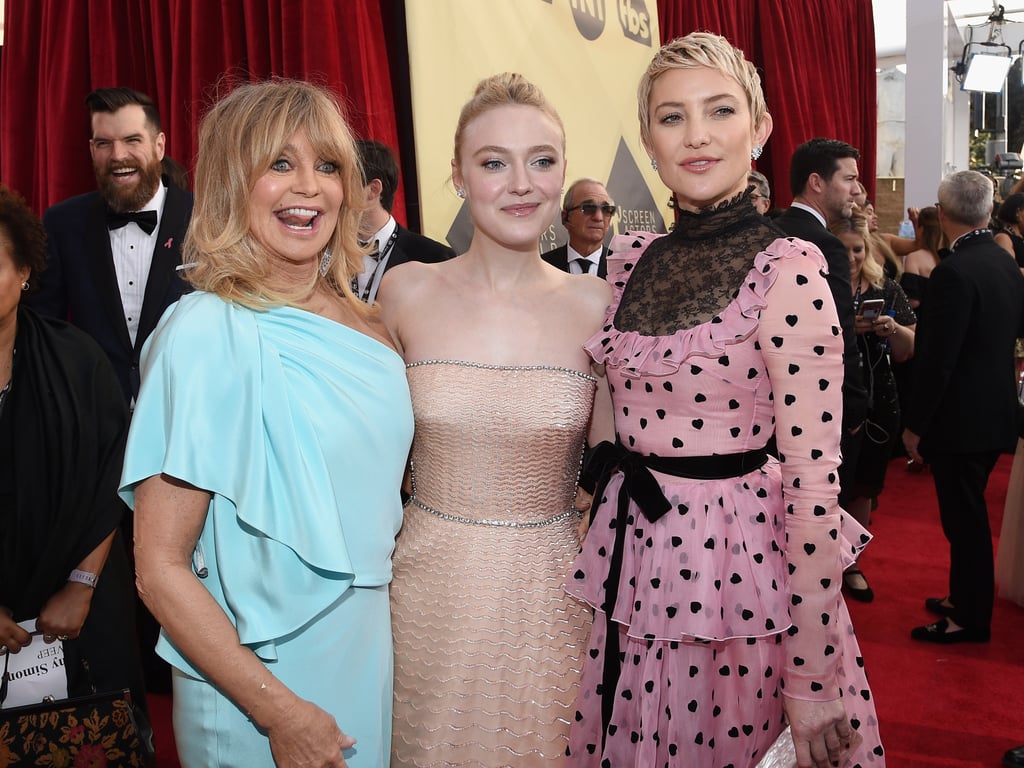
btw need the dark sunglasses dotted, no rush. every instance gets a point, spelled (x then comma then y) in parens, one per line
(589, 209)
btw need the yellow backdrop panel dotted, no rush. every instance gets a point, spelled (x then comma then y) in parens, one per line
(586, 55)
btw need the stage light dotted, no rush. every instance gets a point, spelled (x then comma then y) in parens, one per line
(986, 72)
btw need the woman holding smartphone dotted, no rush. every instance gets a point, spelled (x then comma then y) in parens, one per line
(885, 326)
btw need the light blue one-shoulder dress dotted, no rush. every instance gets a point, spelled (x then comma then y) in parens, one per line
(299, 427)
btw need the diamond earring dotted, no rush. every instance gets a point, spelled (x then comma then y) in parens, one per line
(461, 193)
(756, 151)
(654, 164)
(325, 262)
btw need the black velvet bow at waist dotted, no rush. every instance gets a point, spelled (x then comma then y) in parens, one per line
(607, 458)
(601, 464)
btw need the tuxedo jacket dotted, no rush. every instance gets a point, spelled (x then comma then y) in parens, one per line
(965, 399)
(80, 284)
(410, 246)
(559, 257)
(796, 222)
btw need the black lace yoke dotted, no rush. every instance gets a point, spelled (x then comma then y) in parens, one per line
(692, 274)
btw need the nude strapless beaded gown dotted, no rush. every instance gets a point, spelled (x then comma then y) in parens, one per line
(487, 644)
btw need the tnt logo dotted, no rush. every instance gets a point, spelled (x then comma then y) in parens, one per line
(589, 17)
(635, 21)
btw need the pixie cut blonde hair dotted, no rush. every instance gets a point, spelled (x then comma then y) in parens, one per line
(239, 139)
(701, 49)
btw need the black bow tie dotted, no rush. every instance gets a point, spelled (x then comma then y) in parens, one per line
(145, 219)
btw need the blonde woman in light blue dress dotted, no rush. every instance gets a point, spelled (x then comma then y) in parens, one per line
(267, 450)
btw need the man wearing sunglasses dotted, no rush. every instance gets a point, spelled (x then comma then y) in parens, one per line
(587, 213)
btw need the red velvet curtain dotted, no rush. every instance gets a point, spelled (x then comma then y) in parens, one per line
(177, 51)
(816, 58)
(817, 63)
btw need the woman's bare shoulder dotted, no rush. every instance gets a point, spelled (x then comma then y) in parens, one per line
(584, 296)
(408, 280)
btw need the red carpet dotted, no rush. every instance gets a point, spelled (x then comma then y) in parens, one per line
(959, 706)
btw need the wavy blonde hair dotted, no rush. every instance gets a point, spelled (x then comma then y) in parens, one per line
(857, 224)
(700, 49)
(239, 139)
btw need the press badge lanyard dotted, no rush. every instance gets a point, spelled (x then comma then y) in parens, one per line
(369, 293)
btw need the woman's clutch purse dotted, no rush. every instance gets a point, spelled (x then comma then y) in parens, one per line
(781, 754)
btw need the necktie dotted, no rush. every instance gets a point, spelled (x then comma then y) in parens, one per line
(585, 265)
(145, 219)
(374, 252)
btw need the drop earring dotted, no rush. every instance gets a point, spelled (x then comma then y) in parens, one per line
(756, 151)
(654, 164)
(325, 262)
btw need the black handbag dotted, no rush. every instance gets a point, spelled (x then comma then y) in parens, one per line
(98, 729)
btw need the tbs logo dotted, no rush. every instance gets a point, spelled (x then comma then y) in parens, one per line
(635, 21)
(633, 18)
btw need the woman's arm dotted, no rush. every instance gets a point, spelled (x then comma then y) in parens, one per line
(1003, 241)
(901, 339)
(901, 246)
(802, 345)
(67, 609)
(602, 420)
(169, 517)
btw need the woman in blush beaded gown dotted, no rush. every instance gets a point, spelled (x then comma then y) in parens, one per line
(715, 570)
(488, 647)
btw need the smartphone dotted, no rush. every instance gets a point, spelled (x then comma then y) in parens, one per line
(871, 309)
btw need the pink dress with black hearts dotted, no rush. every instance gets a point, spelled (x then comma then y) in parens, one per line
(733, 596)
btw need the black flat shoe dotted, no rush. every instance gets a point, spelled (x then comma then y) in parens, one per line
(938, 606)
(1014, 758)
(864, 594)
(940, 633)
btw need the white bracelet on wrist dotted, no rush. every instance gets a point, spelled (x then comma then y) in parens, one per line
(84, 577)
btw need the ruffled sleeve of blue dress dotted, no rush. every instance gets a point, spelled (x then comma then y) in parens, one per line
(299, 428)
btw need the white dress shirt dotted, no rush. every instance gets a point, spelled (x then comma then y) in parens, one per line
(368, 281)
(132, 250)
(575, 267)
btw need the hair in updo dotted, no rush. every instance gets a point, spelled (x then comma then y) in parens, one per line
(507, 89)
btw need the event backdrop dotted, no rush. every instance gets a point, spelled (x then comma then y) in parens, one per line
(586, 55)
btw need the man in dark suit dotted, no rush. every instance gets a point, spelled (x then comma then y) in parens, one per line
(390, 243)
(112, 258)
(963, 411)
(113, 254)
(761, 196)
(823, 181)
(587, 212)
